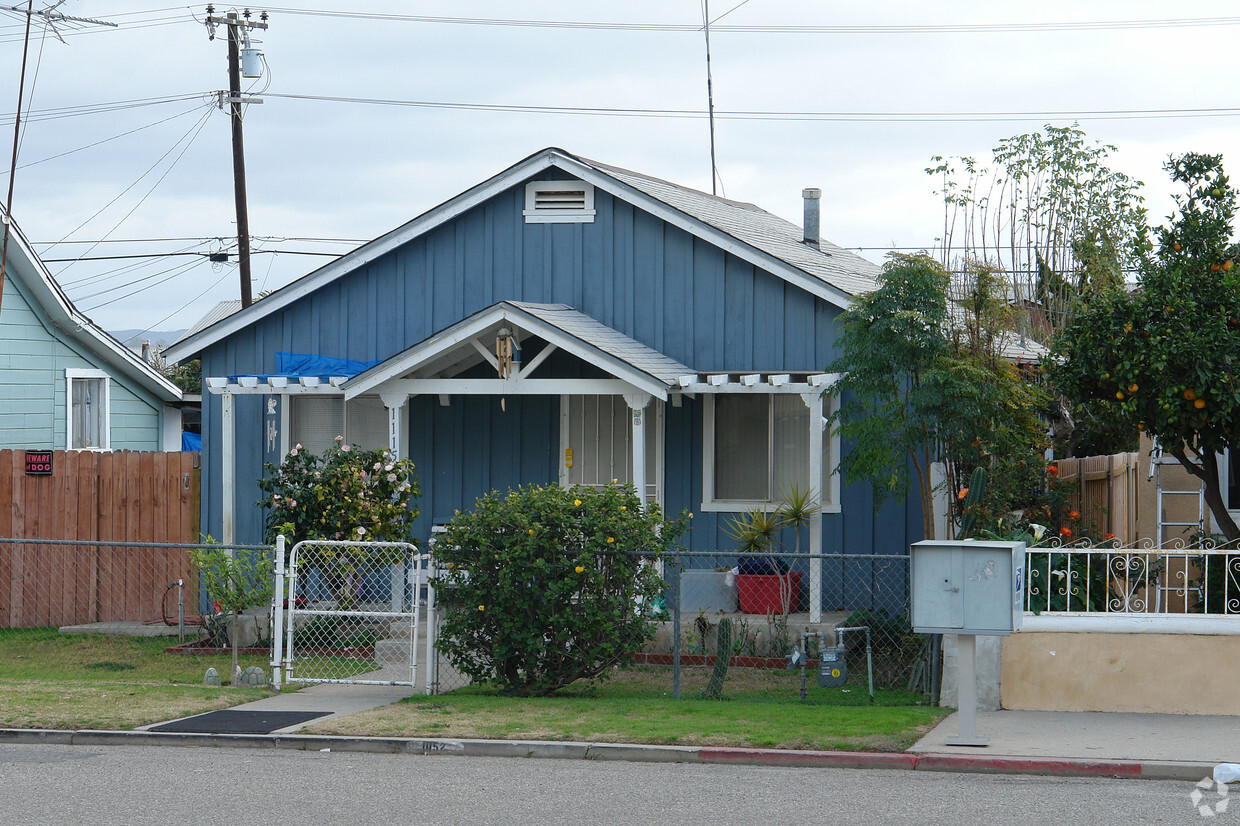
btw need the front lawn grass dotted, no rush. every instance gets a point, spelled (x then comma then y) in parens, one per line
(114, 706)
(758, 710)
(50, 680)
(44, 654)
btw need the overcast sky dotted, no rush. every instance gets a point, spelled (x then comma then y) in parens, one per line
(331, 169)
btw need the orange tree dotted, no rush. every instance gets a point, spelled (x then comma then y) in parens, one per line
(1165, 357)
(547, 585)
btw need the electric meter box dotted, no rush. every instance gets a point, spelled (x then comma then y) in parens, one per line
(967, 587)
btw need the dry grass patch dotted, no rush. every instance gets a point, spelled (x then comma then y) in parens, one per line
(111, 706)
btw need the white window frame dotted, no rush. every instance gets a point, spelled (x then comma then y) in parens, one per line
(828, 489)
(534, 215)
(288, 439)
(73, 374)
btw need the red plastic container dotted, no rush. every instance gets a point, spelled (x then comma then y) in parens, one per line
(759, 593)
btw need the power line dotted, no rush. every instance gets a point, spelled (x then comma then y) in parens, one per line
(938, 28)
(100, 108)
(101, 141)
(187, 138)
(148, 255)
(637, 112)
(750, 114)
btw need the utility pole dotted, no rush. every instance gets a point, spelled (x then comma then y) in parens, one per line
(239, 29)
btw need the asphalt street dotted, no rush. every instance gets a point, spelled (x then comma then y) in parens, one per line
(145, 784)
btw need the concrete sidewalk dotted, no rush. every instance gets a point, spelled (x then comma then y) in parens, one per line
(1096, 735)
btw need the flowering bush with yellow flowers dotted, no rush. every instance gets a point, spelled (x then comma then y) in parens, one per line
(548, 585)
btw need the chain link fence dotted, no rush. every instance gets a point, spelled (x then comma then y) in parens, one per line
(743, 627)
(724, 626)
(89, 610)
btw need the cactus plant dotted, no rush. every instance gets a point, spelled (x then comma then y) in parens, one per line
(723, 652)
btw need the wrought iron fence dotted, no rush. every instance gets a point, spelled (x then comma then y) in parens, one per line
(1177, 578)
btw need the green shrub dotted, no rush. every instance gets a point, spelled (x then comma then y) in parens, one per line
(235, 580)
(547, 585)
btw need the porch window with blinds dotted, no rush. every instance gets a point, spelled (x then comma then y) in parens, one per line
(757, 449)
(316, 421)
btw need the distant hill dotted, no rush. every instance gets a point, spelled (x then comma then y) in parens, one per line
(158, 338)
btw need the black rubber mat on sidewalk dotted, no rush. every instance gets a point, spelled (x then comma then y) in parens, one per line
(232, 721)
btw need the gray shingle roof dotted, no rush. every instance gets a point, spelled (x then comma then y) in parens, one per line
(599, 335)
(760, 229)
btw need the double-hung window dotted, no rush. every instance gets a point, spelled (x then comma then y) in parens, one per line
(87, 425)
(756, 452)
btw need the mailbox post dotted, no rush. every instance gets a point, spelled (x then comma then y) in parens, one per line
(967, 588)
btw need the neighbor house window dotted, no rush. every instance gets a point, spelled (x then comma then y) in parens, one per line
(316, 421)
(87, 425)
(757, 451)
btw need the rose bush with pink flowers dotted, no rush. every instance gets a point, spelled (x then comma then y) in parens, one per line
(345, 493)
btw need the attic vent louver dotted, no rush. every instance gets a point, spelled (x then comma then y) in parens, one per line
(559, 202)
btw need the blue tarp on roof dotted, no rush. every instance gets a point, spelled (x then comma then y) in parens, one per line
(306, 364)
(191, 442)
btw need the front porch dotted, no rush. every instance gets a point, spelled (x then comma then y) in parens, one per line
(546, 391)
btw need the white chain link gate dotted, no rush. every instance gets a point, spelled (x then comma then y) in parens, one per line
(350, 612)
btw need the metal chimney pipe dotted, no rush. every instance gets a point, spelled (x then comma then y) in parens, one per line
(811, 196)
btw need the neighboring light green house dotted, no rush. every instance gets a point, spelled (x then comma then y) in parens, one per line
(65, 384)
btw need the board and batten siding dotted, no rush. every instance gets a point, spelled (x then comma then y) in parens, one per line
(628, 269)
(33, 387)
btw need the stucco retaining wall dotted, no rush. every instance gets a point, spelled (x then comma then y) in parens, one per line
(1171, 673)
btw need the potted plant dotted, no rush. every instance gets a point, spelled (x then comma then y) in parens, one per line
(764, 583)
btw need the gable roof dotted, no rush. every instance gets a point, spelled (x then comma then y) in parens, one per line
(846, 271)
(752, 234)
(558, 324)
(25, 266)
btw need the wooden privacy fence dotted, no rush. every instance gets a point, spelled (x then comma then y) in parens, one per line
(1105, 491)
(109, 497)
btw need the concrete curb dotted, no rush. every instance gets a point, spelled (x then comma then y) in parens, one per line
(987, 764)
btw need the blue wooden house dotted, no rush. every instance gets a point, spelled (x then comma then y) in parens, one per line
(563, 321)
(65, 383)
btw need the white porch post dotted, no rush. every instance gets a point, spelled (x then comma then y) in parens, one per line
(814, 402)
(395, 404)
(637, 406)
(398, 577)
(228, 470)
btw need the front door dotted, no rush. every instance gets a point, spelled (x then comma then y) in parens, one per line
(596, 443)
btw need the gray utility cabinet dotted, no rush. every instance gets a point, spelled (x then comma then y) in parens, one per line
(967, 587)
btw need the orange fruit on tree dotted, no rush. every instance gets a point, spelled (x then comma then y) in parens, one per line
(1226, 266)
(1190, 394)
(1199, 403)
(1119, 394)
